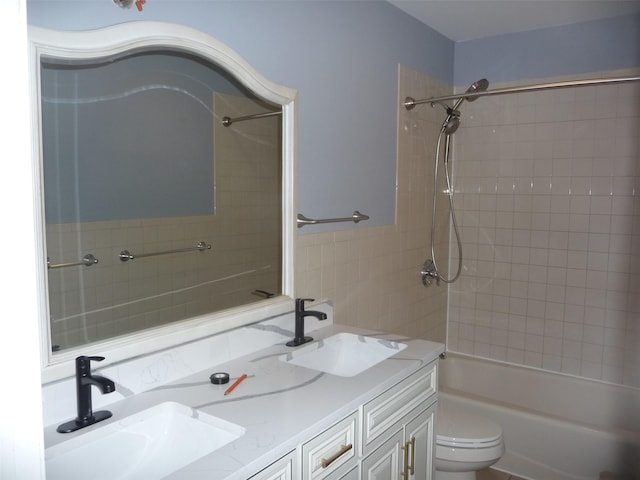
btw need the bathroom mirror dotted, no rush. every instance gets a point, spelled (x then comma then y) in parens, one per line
(165, 165)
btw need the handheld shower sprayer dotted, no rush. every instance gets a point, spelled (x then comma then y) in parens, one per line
(451, 124)
(430, 271)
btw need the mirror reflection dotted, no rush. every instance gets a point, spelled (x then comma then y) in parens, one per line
(156, 211)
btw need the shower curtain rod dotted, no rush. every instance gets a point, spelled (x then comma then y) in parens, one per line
(409, 102)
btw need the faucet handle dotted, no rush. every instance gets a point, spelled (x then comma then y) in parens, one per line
(300, 303)
(83, 364)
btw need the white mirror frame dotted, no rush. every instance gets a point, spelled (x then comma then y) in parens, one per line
(114, 40)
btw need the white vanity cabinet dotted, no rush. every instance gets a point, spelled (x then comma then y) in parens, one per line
(398, 429)
(407, 454)
(294, 422)
(391, 437)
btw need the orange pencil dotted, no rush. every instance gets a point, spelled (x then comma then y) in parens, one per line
(235, 384)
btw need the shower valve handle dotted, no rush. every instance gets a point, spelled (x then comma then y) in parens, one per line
(429, 273)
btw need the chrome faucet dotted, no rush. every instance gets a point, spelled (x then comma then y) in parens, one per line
(84, 381)
(300, 314)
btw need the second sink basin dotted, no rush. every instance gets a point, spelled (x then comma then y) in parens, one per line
(344, 354)
(150, 444)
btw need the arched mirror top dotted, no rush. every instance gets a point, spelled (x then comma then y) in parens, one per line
(56, 51)
(124, 38)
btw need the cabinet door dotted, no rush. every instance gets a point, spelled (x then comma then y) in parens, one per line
(419, 432)
(282, 469)
(386, 462)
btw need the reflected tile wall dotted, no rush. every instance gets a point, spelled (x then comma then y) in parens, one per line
(548, 192)
(114, 298)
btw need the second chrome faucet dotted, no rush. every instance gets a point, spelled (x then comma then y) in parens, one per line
(299, 338)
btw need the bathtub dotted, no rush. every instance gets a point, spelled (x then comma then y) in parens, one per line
(556, 427)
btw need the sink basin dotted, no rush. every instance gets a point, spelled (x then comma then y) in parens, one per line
(344, 354)
(149, 444)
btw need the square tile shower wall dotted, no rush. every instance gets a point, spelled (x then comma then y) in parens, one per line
(547, 191)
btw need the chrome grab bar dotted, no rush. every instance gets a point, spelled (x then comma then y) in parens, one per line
(227, 121)
(125, 255)
(355, 218)
(87, 261)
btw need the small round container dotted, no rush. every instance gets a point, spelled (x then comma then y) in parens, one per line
(219, 378)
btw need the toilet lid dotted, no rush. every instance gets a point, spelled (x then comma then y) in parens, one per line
(458, 427)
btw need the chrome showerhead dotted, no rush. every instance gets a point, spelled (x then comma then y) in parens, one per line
(479, 86)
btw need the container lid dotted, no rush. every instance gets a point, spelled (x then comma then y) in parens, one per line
(459, 427)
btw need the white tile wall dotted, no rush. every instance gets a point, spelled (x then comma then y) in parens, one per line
(548, 193)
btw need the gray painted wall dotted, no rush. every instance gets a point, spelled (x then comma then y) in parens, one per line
(131, 138)
(342, 57)
(609, 44)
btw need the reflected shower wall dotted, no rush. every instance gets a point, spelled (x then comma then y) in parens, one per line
(113, 297)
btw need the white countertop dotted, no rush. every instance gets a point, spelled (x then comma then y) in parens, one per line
(280, 405)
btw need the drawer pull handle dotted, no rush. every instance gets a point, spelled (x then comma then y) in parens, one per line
(409, 466)
(412, 463)
(325, 462)
(404, 473)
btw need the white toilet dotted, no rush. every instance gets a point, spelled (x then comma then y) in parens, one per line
(465, 442)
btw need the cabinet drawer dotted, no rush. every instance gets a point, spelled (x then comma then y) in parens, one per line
(282, 469)
(383, 412)
(330, 450)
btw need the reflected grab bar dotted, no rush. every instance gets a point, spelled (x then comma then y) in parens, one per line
(355, 218)
(263, 294)
(227, 121)
(87, 261)
(125, 255)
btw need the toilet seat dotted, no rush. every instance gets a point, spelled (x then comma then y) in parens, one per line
(459, 428)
